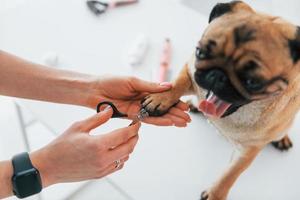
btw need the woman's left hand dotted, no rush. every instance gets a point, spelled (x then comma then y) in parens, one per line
(127, 92)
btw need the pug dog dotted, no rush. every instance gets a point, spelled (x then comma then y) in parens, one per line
(245, 72)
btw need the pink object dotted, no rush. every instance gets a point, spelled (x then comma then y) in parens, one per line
(114, 4)
(165, 61)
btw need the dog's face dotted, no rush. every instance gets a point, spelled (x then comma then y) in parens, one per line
(244, 56)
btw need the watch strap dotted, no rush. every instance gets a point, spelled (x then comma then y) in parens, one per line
(21, 162)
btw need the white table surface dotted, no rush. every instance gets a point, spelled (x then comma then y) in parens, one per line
(168, 163)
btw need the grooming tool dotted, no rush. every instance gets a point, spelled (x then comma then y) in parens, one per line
(138, 50)
(140, 116)
(99, 7)
(165, 61)
(117, 114)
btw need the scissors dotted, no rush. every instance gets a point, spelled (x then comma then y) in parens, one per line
(99, 7)
(117, 114)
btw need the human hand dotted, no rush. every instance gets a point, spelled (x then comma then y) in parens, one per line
(76, 155)
(127, 92)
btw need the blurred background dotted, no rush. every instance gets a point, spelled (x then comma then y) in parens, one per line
(168, 163)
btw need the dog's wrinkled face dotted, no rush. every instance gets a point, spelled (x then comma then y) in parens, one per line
(244, 56)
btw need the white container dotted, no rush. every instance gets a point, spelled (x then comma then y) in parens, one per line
(138, 50)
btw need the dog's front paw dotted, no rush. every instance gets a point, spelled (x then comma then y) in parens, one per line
(284, 144)
(207, 195)
(204, 195)
(158, 104)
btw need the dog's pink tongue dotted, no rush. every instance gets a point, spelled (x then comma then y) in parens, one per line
(213, 106)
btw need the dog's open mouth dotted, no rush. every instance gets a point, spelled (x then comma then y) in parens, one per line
(213, 106)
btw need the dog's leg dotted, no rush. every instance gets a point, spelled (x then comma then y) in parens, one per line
(159, 103)
(220, 189)
(284, 144)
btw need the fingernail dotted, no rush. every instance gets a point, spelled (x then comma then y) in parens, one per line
(107, 108)
(165, 84)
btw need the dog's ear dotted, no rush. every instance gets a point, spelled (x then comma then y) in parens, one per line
(295, 46)
(223, 8)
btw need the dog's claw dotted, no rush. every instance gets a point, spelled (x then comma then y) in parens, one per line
(158, 104)
(204, 195)
(284, 144)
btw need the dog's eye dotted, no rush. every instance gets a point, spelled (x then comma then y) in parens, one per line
(253, 84)
(250, 66)
(201, 54)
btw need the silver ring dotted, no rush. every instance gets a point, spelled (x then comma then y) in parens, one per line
(117, 163)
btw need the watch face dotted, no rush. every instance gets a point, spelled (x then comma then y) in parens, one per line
(27, 183)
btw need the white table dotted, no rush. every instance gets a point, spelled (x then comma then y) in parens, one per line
(168, 163)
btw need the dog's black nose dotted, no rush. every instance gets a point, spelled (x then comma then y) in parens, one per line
(215, 76)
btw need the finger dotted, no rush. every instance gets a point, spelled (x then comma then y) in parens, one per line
(92, 122)
(120, 136)
(183, 106)
(177, 121)
(158, 121)
(113, 167)
(179, 113)
(146, 86)
(124, 159)
(124, 149)
(96, 120)
(114, 163)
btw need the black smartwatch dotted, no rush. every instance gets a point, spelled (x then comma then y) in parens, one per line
(26, 180)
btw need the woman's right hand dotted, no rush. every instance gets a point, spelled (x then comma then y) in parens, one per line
(76, 155)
